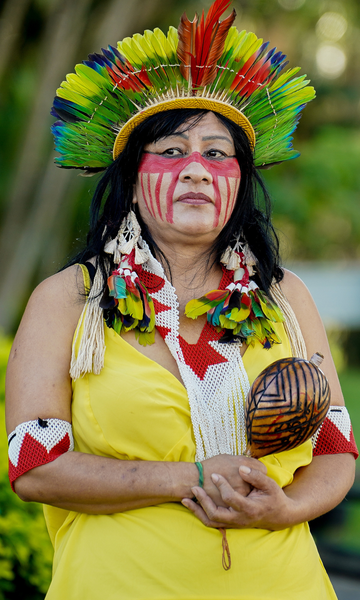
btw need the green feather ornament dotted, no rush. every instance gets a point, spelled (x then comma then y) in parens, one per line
(242, 310)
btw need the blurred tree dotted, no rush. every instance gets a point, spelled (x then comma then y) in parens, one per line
(36, 194)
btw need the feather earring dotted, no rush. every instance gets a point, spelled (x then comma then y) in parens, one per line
(126, 302)
(242, 309)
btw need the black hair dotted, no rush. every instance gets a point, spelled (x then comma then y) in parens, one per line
(113, 196)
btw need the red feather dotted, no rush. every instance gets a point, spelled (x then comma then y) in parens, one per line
(253, 72)
(186, 46)
(243, 76)
(201, 44)
(246, 300)
(215, 295)
(125, 77)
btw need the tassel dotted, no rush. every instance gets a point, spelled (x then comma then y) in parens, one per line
(91, 352)
(225, 257)
(127, 247)
(250, 259)
(141, 255)
(233, 257)
(112, 247)
(234, 262)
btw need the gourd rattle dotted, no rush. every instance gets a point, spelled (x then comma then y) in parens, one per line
(285, 406)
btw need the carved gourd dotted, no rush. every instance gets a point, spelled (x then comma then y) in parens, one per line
(285, 406)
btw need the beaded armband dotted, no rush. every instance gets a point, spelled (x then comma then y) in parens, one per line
(36, 443)
(335, 436)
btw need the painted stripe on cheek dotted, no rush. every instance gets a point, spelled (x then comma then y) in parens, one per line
(221, 195)
(217, 199)
(162, 196)
(148, 189)
(228, 199)
(170, 197)
(143, 186)
(234, 184)
(157, 194)
(152, 183)
(147, 197)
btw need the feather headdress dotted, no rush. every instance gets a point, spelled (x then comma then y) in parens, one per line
(205, 63)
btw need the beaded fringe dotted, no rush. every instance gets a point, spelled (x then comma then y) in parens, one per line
(291, 324)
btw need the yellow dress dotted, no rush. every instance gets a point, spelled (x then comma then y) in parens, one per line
(137, 410)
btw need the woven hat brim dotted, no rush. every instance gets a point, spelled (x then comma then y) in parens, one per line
(217, 106)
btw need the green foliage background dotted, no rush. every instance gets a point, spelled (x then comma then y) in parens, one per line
(316, 198)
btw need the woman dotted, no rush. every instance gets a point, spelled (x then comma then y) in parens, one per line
(169, 389)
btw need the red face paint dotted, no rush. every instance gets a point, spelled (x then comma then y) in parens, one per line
(159, 175)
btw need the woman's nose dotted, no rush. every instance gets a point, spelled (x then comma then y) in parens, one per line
(196, 172)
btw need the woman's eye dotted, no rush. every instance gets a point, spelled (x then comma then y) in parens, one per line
(215, 154)
(172, 152)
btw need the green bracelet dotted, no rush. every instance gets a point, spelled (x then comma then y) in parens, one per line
(201, 473)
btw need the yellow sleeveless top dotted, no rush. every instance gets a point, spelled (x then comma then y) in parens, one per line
(137, 410)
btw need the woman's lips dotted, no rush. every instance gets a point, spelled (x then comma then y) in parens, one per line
(194, 198)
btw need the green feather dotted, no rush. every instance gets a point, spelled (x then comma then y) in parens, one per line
(238, 314)
(145, 338)
(198, 307)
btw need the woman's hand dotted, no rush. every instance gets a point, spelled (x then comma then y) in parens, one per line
(266, 506)
(228, 468)
(315, 490)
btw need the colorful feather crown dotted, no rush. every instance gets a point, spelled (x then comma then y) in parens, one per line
(205, 63)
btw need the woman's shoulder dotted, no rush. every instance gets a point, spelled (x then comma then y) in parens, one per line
(297, 294)
(63, 290)
(38, 368)
(292, 284)
(56, 303)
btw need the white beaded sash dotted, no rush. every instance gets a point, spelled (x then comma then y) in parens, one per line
(217, 400)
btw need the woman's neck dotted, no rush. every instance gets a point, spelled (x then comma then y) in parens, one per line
(192, 270)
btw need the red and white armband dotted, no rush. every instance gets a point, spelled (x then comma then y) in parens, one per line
(37, 443)
(335, 436)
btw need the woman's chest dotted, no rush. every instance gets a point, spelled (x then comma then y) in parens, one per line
(194, 340)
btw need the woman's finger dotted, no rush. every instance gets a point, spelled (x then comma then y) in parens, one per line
(199, 512)
(217, 514)
(257, 479)
(228, 494)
